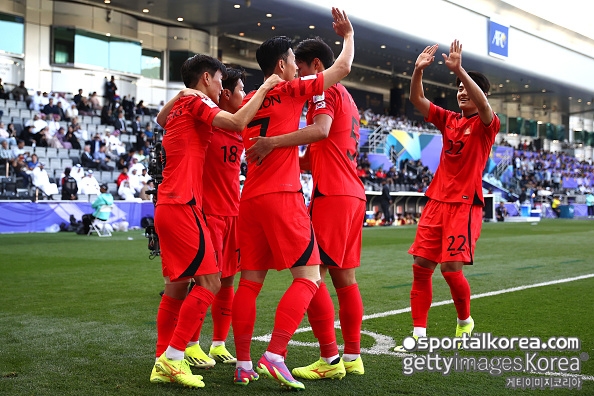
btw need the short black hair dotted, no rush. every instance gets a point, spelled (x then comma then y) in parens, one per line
(195, 66)
(271, 51)
(234, 74)
(309, 49)
(480, 79)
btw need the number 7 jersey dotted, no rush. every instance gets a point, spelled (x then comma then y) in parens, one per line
(279, 114)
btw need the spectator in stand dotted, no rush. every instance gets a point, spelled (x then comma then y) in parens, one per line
(40, 179)
(122, 176)
(21, 93)
(111, 92)
(70, 112)
(136, 126)
(128, 107)
(3, 94)
(6, 154)
(78, 97)
(126, 192)
(71, 138)
(364, 161)
(590, 203)
(95, 103)
(107, 117)
(50, 108)
(141, 109)
(380, 175)
(102, 157)
(120, 123)
(21, 169)
(89, 184)
(88, 161)
(5, 135)
(84, 107)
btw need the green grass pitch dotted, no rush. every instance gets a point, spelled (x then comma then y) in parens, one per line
(77, 313)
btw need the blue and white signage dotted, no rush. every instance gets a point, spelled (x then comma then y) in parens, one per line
(498, 39)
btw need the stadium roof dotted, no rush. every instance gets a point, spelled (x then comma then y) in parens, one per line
(242, 24)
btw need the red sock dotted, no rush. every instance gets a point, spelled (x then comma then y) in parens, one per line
(289, 313)
(460, 290)
(191, 316)
(221, 313)
(321, 318)
(244, 317)
(421, 295)
(351, 316)
(166, 321)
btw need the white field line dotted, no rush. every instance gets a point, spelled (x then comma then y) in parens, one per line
(384, 345)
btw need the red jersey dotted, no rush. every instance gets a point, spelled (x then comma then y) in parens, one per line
(334, 159)
(221, 173)
(279, 114)
(189, 130)
(466, 147)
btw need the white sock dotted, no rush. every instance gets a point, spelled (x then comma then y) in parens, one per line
(464, 322)
(244, 364)
(174, 354)
(192, 343)
(273, 357)
(420, 331)
(349, 357)
(331, 359)
(218, 343)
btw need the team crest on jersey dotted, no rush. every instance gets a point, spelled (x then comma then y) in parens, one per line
(467, 131)
(209, 102)
(320, 105)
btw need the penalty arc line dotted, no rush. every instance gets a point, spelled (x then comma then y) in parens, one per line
(385, 344)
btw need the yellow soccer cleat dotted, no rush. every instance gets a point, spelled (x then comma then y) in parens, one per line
(221, 354)
(197, 358)
(178, 371)
(320, 370)
(355, 366)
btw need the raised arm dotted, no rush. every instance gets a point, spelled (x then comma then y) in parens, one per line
(239, 120)
(342, 66)
(417, 94)
(474, 92)
(312, 133)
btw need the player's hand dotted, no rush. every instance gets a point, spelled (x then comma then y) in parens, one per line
(342, 25)
(454, 60)
(259, 150)
(426, 57)
(272, 81)
(192, 92)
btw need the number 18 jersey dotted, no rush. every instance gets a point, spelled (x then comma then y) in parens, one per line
(221, 173)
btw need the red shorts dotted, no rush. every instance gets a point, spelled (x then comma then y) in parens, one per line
(186, 247)
(223, 232)
(338, 225)
(448, 232)
(275, 232)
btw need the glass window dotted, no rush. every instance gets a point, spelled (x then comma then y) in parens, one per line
(13, 27)
(63, 49)
(151, 64)
(91, 49)
(124, 55)
(176, 59)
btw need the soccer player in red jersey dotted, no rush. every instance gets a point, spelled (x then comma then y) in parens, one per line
(186, 247)
(451, 221)
(274, 228)
(337, 211)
